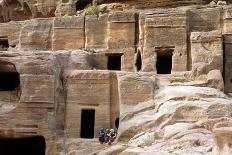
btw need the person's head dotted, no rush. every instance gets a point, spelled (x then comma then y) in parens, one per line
(107, 130)
(112, 130)
(101, 129)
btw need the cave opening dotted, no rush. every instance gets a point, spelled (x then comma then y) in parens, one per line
(117, 123)
(82, 4)
(4, 44)
(114, 61)
(164, 61)
(26, 146)
(87, 123)
(138, 63)
(9, 77)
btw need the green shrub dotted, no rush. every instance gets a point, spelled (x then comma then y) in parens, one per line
(92, 9)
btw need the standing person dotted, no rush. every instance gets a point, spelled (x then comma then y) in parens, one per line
(101, 135)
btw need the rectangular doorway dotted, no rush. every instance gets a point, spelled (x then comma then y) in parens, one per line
(114, 61)
(164, 60)
(87, 123)
(4, 44)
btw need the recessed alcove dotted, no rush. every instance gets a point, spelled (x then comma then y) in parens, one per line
(117, 123)
(81, 4)
(114, 61)
(23, 146)
(138, 63)
(4, 44)
(9, 77)
(87, 123)
(164, 61)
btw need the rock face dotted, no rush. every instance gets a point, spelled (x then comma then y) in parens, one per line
(153, 3)
(163, 73)
(26, 9)
(177, 120)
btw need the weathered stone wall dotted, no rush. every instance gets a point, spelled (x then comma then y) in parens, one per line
(52, 93)
(133, 90)
(144, 33)
(154, 3)
(32, 109)
(14, 28)
(71, 28)
(26, 9)
(61, 61)
(227, 16)
(114, 100)
(87, 91)
(172, 116)
(125, 36)
(207, 51)
(154, 36)
(36, 35)
(147, 34)
(203, 20)
(96, 29)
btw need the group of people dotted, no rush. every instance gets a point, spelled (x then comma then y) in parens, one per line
(107, 136)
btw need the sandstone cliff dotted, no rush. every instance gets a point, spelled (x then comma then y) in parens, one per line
(160, 67)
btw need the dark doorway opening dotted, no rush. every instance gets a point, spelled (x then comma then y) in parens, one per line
(164, 61)
(117, 123)
(9, 77)
(87, 123)
(25, 146)
(4, 44)
(81, 4)
(114, 62)
(138, 62)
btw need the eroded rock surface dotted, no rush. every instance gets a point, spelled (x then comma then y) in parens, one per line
(161, 68)
(178, 120)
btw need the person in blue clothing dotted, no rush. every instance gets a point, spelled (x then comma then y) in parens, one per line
(101, 135)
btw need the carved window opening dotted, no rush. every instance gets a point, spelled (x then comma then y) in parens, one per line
(87, 123)
(82, 4)
(138, 63)
(9, 77)
(26, 146)
(117, 123)
(114, 61)
(164, 60)
(4, 44)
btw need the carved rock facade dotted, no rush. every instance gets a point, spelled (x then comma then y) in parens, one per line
(160, 72)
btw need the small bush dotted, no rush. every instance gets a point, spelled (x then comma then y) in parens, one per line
(92, 9)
